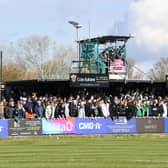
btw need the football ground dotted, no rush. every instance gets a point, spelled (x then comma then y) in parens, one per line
(93, 151)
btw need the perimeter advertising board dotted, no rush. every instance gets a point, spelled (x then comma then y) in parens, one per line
(3, 128)
(90, 126)
(24, 127)
(121, 126)
(166, 125)
(105, 126)
(58, 126)
(150, 125)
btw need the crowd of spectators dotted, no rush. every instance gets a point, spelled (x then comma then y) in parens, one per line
(112, 53)
(131, 104)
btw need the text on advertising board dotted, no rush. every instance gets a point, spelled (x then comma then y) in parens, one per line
(58, 126)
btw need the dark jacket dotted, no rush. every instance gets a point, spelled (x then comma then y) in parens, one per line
(9, 112)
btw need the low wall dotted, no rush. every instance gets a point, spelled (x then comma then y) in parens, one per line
(82, 126)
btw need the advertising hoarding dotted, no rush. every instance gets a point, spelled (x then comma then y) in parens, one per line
(117, 66)
(3, 128)
(58, 126)
(121, 126)
(90, 126)
(24, 127)
(105, 126)
(150, 125)
(89, 80)
(166, 125)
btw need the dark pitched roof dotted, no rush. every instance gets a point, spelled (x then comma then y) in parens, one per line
(104, 39)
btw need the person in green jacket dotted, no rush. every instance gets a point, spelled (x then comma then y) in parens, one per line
(145, 108)
(139, 108)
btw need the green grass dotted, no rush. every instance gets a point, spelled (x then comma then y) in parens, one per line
(98, 151)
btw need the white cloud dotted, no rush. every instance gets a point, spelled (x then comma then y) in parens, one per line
(149, 24)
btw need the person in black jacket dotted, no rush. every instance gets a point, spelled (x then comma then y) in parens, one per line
(88, 108)
(57, 110)
(130, 110)
(73, 109)
(10, 109)
(154, 109)
(62, 109)
(160, 108)
(114, 108)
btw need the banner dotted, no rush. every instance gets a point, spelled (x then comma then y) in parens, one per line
(117, 66)
(58, 126)
(105, 126)
(90, 126)
(3, 128)
(150, 125)
(121, 126)
(24, 127)
(89, 80)
(166, 125)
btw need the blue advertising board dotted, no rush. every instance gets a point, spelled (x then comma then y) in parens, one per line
(89, 126)
(121, 126)
(3, 128)
(166, 125)
(105, 126)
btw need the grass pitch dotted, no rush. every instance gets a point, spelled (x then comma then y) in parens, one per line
(98, 151)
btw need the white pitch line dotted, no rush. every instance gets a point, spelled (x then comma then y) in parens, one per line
(152, 161)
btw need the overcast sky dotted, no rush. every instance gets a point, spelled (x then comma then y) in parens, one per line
(146, 20)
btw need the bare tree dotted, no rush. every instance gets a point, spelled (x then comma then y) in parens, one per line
(58, 67)
(32, 53)
(159, 70)
(37, 57)
(130, 64)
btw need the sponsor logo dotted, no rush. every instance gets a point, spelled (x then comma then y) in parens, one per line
(57, 126)
(89, 125)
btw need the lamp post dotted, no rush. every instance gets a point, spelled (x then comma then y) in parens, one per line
(1, 75)
(77, 26)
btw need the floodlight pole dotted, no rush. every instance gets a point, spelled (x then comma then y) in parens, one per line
(77, 26)
(0, 75)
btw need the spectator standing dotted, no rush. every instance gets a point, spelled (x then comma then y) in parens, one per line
(165, 109)
(1, 110)
(48, 111)
(139, 108)
(10, 109)
(105, 108)
(29, 114)
(81, 108)
(62, 109)
(154, 108)
(73, 109)
(19, 112)
(88, 108)
(115, 108)
(130, 109)
(39, 109)
(66, 108)
(160, 108)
